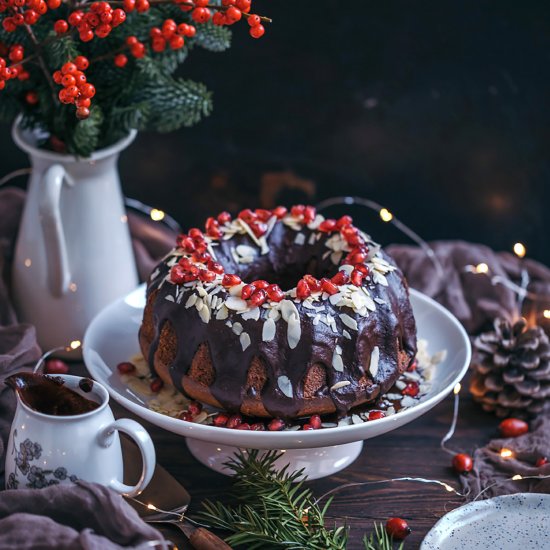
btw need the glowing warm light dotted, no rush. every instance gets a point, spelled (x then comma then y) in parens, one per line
(386, 215)
(75, 344)
(516, 477)
(157, 215)
(546, 313)
(506, 453)
(28, 262)
(520, 250)
(457, 388)
(449, 488)
(151, 507)
(482, 268)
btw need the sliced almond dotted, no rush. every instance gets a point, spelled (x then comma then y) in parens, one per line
(244, 338)
(268, 330)
(285, 385)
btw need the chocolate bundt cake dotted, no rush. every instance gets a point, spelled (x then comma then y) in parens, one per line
(278, 313)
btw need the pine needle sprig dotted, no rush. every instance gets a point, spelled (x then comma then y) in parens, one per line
(380, 540)
(273, 509)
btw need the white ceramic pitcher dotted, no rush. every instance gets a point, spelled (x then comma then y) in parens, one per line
(73, 254)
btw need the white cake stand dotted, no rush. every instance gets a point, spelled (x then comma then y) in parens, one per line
(112, 338)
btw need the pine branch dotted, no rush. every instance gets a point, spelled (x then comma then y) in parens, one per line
(379, 540)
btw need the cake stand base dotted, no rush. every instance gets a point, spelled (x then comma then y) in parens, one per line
(316, 463)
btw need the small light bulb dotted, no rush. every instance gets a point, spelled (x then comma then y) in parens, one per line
(520, 250)
(457, 388)
(157, 215)
(482, 268)
(75, 344)
(449, 488)
(151, 506)
(506, 453)
(516, 477)
(386, 215)
(546, 313)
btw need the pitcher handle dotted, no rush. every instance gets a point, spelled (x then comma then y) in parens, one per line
(143, 440)
(57, 260)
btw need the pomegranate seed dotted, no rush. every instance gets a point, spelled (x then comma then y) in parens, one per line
(348, 232)
(211, 222)
(214, 232)
(195, 233)
(258, 228)
(193, 271)
(156, 385)
(302, 290)
(243, 426)
(188, 245)
(375, 415)
(56, 366)
(224, 217)
(215, 267)
(307, 427)
(230, 279)
(200, 247)
(279, 212)
(247, 291)
(328, 286)
(327, 226)
(343, 221)
(258, 298)
(126, 367)
(541, 461)
(462, 463)
(194, 408)
(234, 421)
(276, 425)
(297, 210)
(260, 284)
(186, 416)
(315, 421)
(177, 275)
(309, 214)
(247, 215)
(313, 283)
(206, 276)
(411, 389)
(513, 427)
(364, 269)
(356, 258)
(341, 278)
(397, 528)
(274, 293)
(413, 365)
(356, 278)
(257, 427)
(220, 420)
(263, 215)
(201, 257)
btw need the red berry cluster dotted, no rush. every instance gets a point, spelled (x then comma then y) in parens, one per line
(137, 48)
(15, 54)
(140, 6)
(25, 12)
(99, 21)
(75, 87)
(170, 34)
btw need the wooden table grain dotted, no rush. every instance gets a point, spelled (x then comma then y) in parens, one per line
(412, 450)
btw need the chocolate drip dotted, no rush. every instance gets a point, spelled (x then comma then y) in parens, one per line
(391, 327)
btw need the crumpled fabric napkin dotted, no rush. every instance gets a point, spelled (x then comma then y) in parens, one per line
(84, 516)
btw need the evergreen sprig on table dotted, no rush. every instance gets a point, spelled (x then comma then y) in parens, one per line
(123, 55)
(273, 510)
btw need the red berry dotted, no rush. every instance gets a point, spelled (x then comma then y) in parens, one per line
(244, 5)
(168, 28)
(156, 385)
(129, 5)
(142, 6)
(233, 15)
(328, 286)
(194, 408)
(315, 421)
(31, 17)
(462, 463)
(258, 298)
(541, 461)
(341, 278)
(247, 291)
(68, 80)
(69, 68)
(220, 420)
(201, 15)
(276, 425)
(119, 16)
(280, 212)
(126, 367)
(16, 53)
(53, 4)
(375, 415)
(56, 366)
(158, 44)
(31, 98)
(82, 113)
(176, 42)
(57, 77)
(254, 20)
(257, 31)
(103, 30)
(138, 50)
(224, 217)
(230, 279)
(302, 290)
(411, 389)
(234, 421)
(397, 528)
(274, 293)
(120, 60)
(86, 36)
(219, 19)
(81, 63)
(513, 427)
(87, 90)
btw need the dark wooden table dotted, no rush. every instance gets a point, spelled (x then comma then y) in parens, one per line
(412, 450)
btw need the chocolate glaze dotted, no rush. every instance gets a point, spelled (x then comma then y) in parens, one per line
(390, 327)
(48, 395)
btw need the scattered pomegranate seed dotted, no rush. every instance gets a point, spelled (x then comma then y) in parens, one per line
(243, 426)
(328, 286)
(302, 290)
(258, 298)
(462, 463)
(513, 427)
(220, 420)
(279, 212)
(412, 389)
(156, 385)
(260, 284)
(188, 417)
(343, 221)
(194, 408)
(327, 226)
(398, 528)
(230, 279)
(315, 421)
(274, 293)
(541, 461)
(257, 427)
(247, 291)
(341, 278)
(234, 421)
(276, 425)
(224, 217)
(56, 366)
(126, 367)
(375, 415)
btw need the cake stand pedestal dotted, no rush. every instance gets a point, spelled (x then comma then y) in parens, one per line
(316, 463)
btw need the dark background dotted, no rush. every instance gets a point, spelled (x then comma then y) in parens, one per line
(437, 110)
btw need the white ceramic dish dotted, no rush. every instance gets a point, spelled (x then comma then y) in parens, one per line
(112, 338)
(510, 522)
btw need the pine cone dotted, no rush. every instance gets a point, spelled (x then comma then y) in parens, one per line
(512, 369)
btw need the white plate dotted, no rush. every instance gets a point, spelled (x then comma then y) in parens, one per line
(112, 338)
(520, 521)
